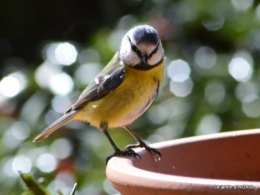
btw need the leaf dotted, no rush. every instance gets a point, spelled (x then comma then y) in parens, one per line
(33, 186)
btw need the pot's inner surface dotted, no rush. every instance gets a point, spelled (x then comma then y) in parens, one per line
(235, 158)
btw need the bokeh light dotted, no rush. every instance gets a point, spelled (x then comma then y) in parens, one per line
(158, 114)
(20, 130)
(61, 148)
(251, 108)
(242, 5)
(181, 89)
(13, 84)
(64, 180)
(179, 71)
(247, 91)
(205, 57)
(210, 123)
(61, 103)
(21, 163)
(255, 36)
(184, 13)
(9, 86)
(60, 53)
(214, 24)
(258, 12)
(45, 72)
(240, 69)
(114, 40)
(87, 72)
(88, 55)
(215, 92)
(46, 162)
(61, 84)
(10, 140)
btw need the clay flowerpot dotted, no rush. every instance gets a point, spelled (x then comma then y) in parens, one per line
(223, 163)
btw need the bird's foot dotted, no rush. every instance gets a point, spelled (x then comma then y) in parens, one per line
(125, 152)
(154, 151)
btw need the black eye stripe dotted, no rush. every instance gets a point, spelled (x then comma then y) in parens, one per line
(134, 48)
(154, 51)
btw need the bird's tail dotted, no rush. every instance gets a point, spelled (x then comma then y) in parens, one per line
(55, 125)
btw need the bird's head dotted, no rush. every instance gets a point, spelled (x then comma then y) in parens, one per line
(141, 47)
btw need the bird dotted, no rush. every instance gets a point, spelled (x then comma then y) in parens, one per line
(122, 91)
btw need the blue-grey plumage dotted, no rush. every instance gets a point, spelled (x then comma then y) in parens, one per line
(67, 117)
(123, 90)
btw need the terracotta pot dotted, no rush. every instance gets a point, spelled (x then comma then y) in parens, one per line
(224, 163)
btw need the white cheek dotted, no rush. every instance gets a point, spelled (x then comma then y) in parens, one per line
(131, 59)
(127, 55)
(155, 59)
(124, 52)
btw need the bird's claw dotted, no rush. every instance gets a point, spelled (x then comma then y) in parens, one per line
(154, 151)
(125, 152)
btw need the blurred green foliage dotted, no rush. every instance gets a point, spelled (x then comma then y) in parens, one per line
(211, 80)
(33, 187)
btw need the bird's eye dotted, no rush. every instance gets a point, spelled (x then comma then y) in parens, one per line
(134, 48)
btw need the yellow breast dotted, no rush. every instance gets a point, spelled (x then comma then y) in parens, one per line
(128, 101)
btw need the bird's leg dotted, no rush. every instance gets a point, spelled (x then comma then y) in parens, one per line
(118, 152)
(141, 144)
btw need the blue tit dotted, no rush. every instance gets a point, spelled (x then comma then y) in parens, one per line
(122, 91)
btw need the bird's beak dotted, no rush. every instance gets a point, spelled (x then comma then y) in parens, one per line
(144, 59)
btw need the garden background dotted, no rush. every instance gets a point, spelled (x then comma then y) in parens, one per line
(50, 51)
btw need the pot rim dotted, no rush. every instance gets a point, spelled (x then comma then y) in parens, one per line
(124, 167)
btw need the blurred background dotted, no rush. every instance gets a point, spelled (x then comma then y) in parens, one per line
(50, 51)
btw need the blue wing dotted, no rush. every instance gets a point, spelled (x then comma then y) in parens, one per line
(107, 81)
